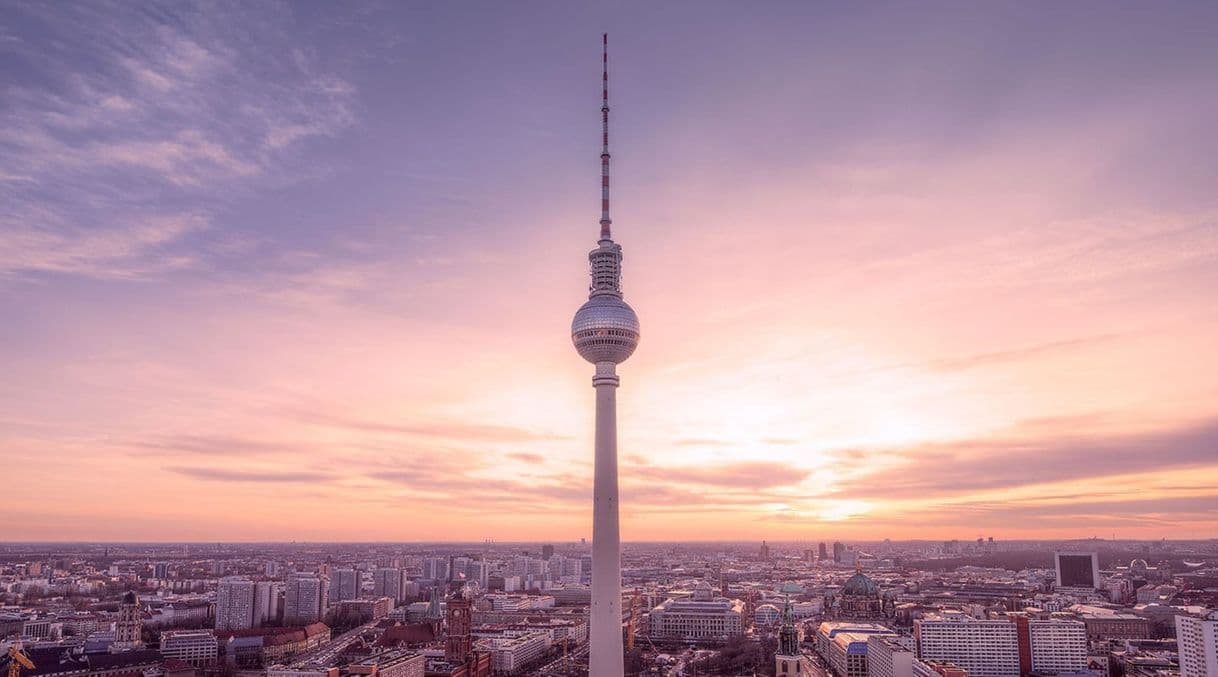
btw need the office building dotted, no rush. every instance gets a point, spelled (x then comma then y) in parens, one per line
(1080, 570)
(685, 619)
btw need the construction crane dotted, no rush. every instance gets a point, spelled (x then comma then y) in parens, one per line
(18, 660)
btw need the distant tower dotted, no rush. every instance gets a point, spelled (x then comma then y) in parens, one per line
(605, 331)
(128, 631)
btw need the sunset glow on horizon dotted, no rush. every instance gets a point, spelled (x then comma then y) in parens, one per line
(286, 272)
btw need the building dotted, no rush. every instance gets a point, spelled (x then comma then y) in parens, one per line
(390, 664)
(1197, 639)
(59, 661)
(128, 630)
(838, 551)
(513, 652)
(822, 551)
(344, 584)
(235, 604)
(1057, 646)
(605, 332)
(389, 582)
(937, 669)
(197, 647)
(267, 596)
(848, 653)
(459, 643)
(366, 609)
(305, 599)
(889, 656)
(859, 598)
(828, 630)
(435, 568)
(1008, 646)
(1080, 570)
(259, 647)
(689, 620)
(1102, 626)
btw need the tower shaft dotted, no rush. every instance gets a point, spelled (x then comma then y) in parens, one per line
(605, 659)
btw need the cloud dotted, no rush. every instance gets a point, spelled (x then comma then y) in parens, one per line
(455, 431)
(527, 457)
(746, 475)
(211, 445)
(1020, 354)
(135, 126)
(220, 475)
(964, 466)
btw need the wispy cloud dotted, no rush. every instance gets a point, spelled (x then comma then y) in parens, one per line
(268, 476)
(142, 124)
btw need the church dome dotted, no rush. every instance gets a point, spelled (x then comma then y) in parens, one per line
(859, 585)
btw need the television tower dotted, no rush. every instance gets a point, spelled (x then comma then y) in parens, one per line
(605, 331)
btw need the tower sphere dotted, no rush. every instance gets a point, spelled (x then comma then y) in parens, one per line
(605, 329)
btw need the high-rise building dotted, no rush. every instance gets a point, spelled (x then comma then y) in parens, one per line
(547, 551)
(266, 602)
(435, 568)
(1077, 569)
(234, 604)
(1003, 647)
(388, 582)
(1056, 646)
(272, 569)
(822, 551)
(838, 551)
(305, 599)
(344, 585)
(605, 331)
(160, 570)
(1197, 639)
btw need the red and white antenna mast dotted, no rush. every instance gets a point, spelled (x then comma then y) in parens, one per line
(605, 220)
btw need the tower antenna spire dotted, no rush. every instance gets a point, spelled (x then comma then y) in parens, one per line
(605, 220)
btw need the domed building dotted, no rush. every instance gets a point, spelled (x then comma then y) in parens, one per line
(859, 598)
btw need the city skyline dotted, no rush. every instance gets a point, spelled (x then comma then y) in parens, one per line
(313, 284)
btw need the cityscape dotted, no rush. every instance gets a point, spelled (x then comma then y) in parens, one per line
(987, 607)
(928, 386)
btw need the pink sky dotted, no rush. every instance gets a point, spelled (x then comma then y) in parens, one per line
(901, 274)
